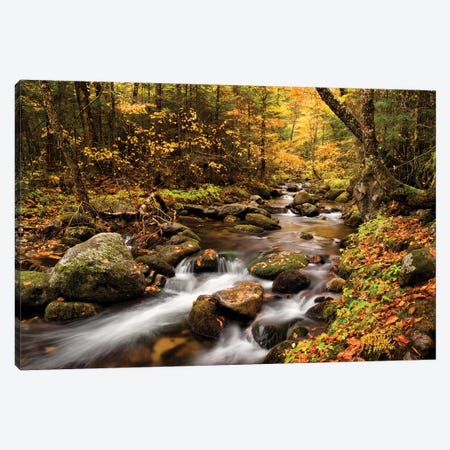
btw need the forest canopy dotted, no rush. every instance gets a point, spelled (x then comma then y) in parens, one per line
(74, 135)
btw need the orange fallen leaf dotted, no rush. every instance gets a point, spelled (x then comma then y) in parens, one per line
(27, 283)
(412, 310)
(105, 260)
(391, 320)
(403, 339)
(60, 299)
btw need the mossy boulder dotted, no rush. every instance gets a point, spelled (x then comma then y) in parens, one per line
(100, 270)
(277, 354)
(170, 229)
(302, 197)
(196, 210)
(156, 263)
(306, 235)
(231, 219)
(262, 221)
(207, 261)
(75, 235)
(248, 229)
(418, 266)
(32, 289)
(233, 209)
(353, 219)
(205, 317)
(336, 284)
(290, 281)
(62, 311)
(257, 210)
(269, 266)
(245, 298)
(332, 194)
(324, 311)
(308, 210)
(173, 254)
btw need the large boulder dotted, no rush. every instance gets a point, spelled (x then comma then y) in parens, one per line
(100, 270)
(418, 266)
(308, 210)
(260, 220)
(233, 209)
(205, 318)
(290, 281)
(302, 197)
(173, 254)
(61, 311)
(245, 298)
(269, 266)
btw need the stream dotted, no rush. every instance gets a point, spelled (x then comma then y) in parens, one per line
(154, 331)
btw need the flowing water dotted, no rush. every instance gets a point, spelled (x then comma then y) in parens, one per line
(154, 332)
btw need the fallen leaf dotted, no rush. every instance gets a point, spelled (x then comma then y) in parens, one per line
(105, 260)
(391, 320)
(412, 310)
(403, 339)
(60, 299)
(27, 283)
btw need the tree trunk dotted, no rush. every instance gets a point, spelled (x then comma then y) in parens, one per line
(158, 97)
(64, 144)
(82, 91)
(263, 132)
(377, 184)
(135, 93)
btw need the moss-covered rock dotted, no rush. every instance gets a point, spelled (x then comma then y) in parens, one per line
(290, 281)
(297, 333)
(277, 354)
(354, 219)
(75, 235)
(262, 221)
(205, 317)
(269, 266)
(100, 269)
(32, 290)
(324, 311)
(207, 261)
(245, 298)
(308, 210)
(418, 266)
(248, 229)
(61, 311)
(302, 197)
(343, 197)
(231, 219)
(233, 209)
(156, 263)
(332, 194)
(306, 235)
(336, 284)
(173, 254)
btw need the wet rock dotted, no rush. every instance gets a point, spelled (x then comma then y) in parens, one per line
(206, 318)
(100, 270)
(306, 235)
(297, 332)
(316, 259)
(292, 187)
(290, 281)
(173, 254)
(257, 199)
(332, 194)
(233, 209)
(169, 229)
(249, 229)
(277, 354)
(245, 298)
(62, 311)
(322, 298)
(324, 311)
(423, 344)
(269, 266)
(159, 281)
(74, 235)
(196, 210)
(156, 263)
(335, 284)
(262, 221)
(257, 210)
(308, 210)
(267, 335)
(207, 261)
(418, 266)
(302, 197)
(353, 219)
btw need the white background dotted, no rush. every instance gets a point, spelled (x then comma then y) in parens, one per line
(380, 44)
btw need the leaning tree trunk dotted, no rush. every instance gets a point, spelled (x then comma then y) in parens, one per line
(64, 144)
(377, 185)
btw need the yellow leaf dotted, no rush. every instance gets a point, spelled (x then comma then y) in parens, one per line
(105, 260)
(27, 283)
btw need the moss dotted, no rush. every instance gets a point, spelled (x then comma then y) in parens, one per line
(259, 220)
(32, 288)
(250, 229)
(61, 311)
(272, 265)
